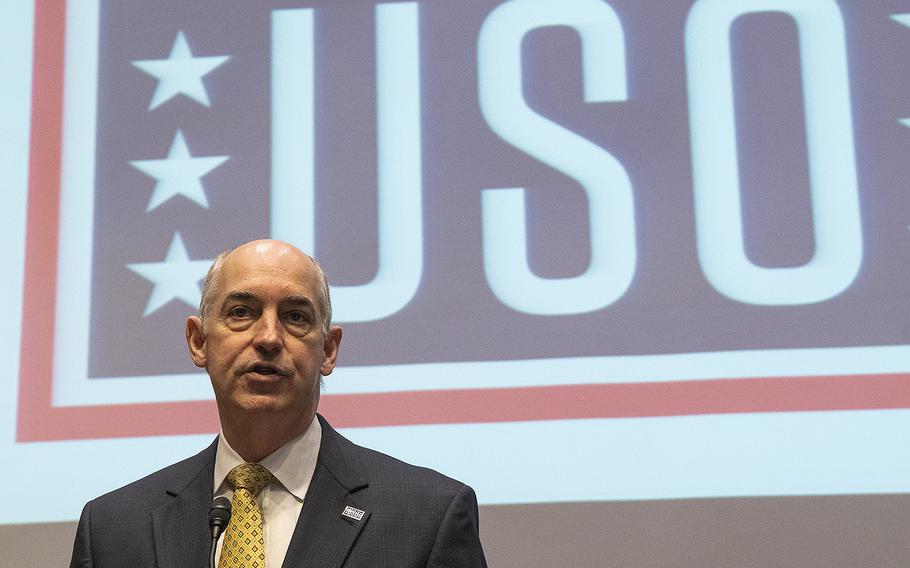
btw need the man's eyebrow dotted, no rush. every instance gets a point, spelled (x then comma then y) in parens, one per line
(298, 301)
(239, 295)
(247, 296)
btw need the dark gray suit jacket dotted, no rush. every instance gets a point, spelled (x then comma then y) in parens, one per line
(413, 516)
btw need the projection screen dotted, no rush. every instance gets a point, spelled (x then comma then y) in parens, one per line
(634, 270)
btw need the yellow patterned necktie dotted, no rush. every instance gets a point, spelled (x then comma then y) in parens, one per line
(243, 546)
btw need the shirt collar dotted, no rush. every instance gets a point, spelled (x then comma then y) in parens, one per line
(292, 464)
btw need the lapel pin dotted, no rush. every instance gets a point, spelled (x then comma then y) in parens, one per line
(352, 513)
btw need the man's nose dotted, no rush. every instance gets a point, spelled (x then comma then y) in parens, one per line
(268, 333)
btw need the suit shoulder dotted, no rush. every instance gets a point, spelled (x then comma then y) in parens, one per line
(429, 517)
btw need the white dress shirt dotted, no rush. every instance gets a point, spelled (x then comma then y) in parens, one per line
(292, 465)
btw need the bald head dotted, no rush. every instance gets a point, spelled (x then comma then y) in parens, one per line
(281, 251)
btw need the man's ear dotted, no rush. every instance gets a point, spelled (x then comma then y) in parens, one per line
(330, 350)
(195, 340)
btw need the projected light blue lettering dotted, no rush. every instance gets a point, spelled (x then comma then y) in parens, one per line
(829, 136)
(399, 190)
(603, 178)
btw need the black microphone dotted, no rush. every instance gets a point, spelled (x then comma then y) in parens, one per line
(219, 517)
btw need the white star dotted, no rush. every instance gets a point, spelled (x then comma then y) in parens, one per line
(176, 277)
(180, 73)
(179, 173)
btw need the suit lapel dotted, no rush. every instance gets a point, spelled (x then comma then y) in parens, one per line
(180, 524)
(324, 534)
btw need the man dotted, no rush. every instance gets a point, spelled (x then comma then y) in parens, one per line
(264, 336)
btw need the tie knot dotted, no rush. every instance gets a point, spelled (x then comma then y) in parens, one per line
(250, 476)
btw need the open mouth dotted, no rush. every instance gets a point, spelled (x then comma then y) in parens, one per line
(264, 370)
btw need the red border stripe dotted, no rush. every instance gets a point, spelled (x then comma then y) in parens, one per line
(626, 400)
(723, 396)
(36, 360)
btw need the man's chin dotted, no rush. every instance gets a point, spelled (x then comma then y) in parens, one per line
(262, 403)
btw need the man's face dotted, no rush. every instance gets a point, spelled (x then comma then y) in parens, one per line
(262, 342)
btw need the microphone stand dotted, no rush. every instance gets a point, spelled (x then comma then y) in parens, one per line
(219, 517)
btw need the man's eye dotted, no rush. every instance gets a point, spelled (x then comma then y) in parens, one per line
(239, 312)
(297, 317)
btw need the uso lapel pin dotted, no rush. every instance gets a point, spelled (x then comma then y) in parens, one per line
(352, 513)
